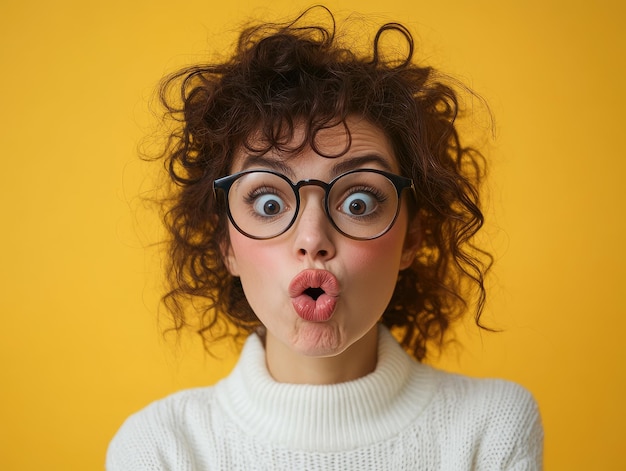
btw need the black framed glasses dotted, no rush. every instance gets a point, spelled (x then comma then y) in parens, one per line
(361, 204)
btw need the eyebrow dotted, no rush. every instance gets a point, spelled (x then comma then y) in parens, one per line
(273, 164)
(352, 163)
(345, 165)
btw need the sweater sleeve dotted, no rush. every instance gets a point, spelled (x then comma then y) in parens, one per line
(513, 438)
(528, 454)
(148, 441)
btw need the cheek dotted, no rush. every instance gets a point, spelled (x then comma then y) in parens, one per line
(372, 276)
(377, 262)
(386, 250)
(246, 258)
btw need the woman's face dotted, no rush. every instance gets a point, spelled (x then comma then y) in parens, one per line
(356, 277)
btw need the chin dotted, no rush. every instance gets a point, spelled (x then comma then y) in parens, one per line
(319, 340)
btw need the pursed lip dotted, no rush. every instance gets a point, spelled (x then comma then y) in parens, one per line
(322, 307)
(312, 278)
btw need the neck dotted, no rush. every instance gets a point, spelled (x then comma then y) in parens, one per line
(287, 366)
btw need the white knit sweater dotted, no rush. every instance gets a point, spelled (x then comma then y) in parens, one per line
(404, 415)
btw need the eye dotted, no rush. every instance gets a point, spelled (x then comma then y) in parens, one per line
(268, 205)
(359, 204)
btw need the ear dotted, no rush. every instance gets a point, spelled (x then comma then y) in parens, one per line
(411, 243)
(229, 258)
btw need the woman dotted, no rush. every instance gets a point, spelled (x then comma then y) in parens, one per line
(324, 206)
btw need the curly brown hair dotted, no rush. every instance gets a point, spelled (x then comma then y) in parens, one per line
(284, 75)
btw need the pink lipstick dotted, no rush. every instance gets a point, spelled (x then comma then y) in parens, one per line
(314, 294)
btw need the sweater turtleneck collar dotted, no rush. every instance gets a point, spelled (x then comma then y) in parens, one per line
(327, 417)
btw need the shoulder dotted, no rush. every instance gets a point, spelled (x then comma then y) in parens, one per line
(501, 418)
(485, 395)
(179, 409)
(161, 435)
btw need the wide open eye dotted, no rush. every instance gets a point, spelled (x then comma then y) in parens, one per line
(359, 204)
(268, 205)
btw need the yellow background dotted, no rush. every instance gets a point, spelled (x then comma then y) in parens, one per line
(80, 346)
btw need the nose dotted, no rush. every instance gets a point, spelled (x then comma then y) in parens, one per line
(313, 233)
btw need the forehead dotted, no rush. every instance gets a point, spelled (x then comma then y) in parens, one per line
(336, 150)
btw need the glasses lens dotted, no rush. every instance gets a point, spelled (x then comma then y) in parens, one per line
(262, 204)
(363, 205)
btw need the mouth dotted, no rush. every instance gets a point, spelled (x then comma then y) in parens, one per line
(314, 295)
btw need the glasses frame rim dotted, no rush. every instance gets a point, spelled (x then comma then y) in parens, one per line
(225, 183)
